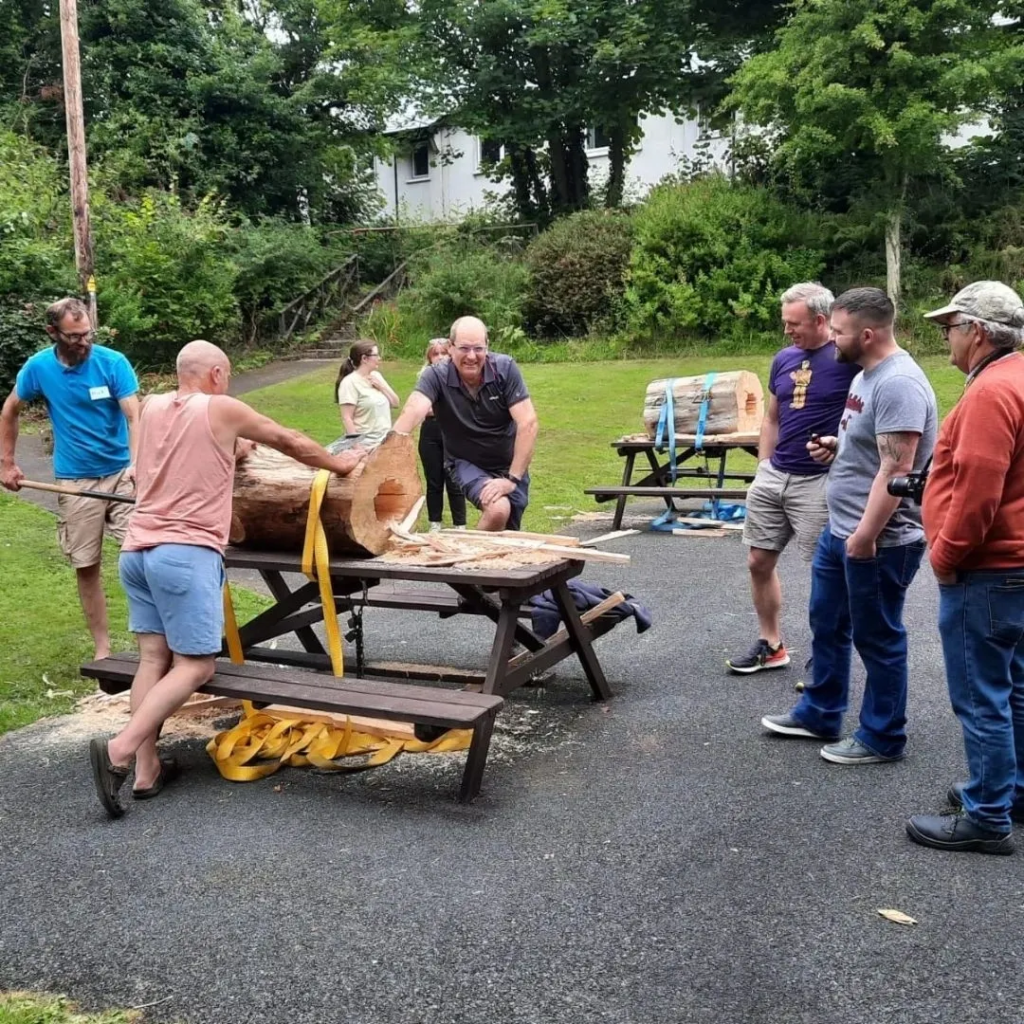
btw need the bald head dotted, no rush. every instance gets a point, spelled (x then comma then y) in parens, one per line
(469, 330)
(202, 366)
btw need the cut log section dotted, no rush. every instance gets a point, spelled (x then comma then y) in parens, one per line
(271, 500)
(736, 405)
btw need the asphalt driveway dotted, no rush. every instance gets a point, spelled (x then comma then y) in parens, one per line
(657, 860)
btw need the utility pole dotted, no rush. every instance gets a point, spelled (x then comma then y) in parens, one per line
(76, 150)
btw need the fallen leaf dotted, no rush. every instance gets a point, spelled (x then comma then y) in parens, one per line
(277, 789)
(898, 916)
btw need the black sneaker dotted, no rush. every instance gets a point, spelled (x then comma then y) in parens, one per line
(958, 833)
(955, 796)
(761, 656)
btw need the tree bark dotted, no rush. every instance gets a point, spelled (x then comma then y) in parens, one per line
(271, 499)
(617, 168)
(893, 247)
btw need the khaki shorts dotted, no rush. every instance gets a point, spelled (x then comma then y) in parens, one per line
(80, 521)
(780, 505)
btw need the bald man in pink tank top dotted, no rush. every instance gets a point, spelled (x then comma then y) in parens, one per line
(172, 559)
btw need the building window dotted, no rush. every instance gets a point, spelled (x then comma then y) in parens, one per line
(597, 138)
(421, 160)
(490, 152)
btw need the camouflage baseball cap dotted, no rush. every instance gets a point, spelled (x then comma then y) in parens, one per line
(985, 300)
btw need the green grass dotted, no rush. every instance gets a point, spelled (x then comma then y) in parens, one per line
(28, 1008)
(43, 638)
(582, 407)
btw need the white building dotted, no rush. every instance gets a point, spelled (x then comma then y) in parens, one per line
(435, 173)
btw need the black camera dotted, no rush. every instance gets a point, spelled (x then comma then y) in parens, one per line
(910, 486)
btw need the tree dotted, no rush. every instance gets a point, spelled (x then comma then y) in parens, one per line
(883, 83)
(536, 74)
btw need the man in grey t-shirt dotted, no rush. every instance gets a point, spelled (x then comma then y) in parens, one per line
(871, 548)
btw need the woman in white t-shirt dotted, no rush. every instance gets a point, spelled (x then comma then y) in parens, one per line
(365, 397)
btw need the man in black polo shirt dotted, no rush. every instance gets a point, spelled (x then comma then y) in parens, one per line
(487, 422)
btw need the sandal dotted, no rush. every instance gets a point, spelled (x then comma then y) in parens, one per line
(109, 778)
(169, 771)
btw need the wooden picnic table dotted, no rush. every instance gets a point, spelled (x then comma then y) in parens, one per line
(498, 594)
(659, 480)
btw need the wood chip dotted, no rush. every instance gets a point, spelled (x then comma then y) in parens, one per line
(897, 916)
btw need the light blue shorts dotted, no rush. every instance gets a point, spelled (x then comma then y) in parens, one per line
(175, 590)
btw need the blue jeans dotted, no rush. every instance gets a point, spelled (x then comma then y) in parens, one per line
(860, 601)
(981, 619)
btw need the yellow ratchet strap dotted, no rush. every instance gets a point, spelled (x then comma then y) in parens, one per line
(314, 550)
(260, 744)
(234, 641)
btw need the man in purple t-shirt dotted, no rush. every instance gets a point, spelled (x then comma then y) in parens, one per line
(808, 389)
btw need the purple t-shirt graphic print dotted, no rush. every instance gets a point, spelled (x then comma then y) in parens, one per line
(811, 389)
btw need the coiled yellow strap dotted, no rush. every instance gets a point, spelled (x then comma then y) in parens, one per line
(260, 744)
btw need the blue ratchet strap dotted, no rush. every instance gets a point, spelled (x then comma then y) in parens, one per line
(702, 422)
(705, 402)
(667, 423)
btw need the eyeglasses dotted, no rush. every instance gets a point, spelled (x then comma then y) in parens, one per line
(477, 350)
(73, 338)
(946, 328)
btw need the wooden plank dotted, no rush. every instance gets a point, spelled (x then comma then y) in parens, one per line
(374, 698)
(575, 553)
(373, 726)
(699, 533)
(733, 493)
(712, 523)
(548, 538)
(372, 570)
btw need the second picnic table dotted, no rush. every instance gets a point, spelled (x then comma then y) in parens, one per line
(673, 478)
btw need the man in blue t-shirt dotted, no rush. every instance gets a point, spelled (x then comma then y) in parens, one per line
(91, 395)
(808, 390)
(487, 421)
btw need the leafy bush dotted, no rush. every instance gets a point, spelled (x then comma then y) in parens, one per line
(169, 276)
(36, 255)
(461, 281)
(576, 273)
(21, 334)
(711, 259)
(276, 263)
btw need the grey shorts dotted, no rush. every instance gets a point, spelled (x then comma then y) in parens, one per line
(781, 505)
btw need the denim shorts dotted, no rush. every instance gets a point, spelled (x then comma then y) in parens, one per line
(176, 590)
(471, 479)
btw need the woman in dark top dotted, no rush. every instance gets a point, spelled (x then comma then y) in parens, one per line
(432, 457)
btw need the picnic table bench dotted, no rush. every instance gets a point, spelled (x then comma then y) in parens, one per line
(403, 702)
(395, 691)
(672, 478)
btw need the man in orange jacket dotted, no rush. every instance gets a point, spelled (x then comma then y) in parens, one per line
(974, 522)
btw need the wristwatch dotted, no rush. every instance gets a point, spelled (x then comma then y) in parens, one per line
(517, 480)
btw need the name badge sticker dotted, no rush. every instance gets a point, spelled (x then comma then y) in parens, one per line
(97, 393)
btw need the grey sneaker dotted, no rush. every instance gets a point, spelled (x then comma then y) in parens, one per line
(852, 751)
(788, 725)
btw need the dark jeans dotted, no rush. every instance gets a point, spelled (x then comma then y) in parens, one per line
(981, 620)
(860, 601)
(432, 457)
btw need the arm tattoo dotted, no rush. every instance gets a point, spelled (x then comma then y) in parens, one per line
(895, 448)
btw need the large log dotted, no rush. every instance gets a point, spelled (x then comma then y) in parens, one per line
(271, 500)
(736, 406)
